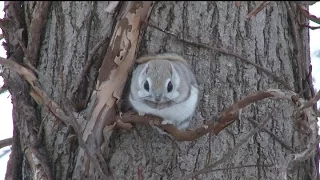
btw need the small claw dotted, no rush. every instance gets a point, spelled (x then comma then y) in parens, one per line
(164, 122)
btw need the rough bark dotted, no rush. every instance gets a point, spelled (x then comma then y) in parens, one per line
(267, 39)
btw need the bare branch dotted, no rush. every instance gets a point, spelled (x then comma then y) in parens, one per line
(25, 60)
(274, 136)
(298, 57)
(307, 14)
(5, 142)
(310, 83)
(304, 118)
(88, 27)
(6, 6)
(308, 26)
(227, 117)
(3, 89)
(258, 9)
(39, 18)
(312, 101)
(89, 60)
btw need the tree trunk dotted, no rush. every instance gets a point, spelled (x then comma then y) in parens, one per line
(69, 33)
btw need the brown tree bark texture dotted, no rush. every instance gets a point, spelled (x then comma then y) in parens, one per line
(266, 39)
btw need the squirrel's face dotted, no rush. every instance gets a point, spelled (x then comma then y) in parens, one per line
(158, 82)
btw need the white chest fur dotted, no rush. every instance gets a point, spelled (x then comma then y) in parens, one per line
(175, 113)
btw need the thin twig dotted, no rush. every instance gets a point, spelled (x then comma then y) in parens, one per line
(37, 161)
(312, 101)
(258, 9)
(228, 155)
(140, 172)
(310, 83)
(94, 153)
(5, 142)
(273, 135)
(299, 60)
(88, 27)
(88, 64)
(3, 89)
(244, 166)
(24, 49)
(6, 6)
(225, 52)
(39, 18)
(26, 61)
(40, 132)
(307, 14)
(308, 26)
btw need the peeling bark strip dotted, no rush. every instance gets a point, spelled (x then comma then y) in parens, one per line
(41, 97)
(39, 18)
(39, 168)
(112, 77)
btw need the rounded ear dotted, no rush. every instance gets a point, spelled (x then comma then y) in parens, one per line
(145, 69)
(143, 73)
(175, 75)
(171, 68)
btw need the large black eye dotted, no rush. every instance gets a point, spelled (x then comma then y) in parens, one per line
(169, 87)
(146, 85)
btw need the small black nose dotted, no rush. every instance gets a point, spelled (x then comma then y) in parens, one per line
(157, 98)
